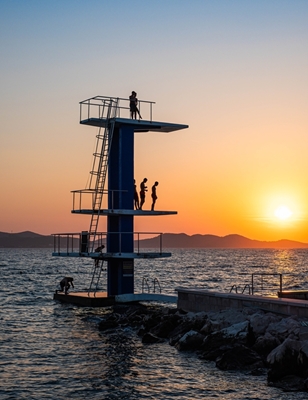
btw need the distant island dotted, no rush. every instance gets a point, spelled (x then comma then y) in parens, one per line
(170, 240)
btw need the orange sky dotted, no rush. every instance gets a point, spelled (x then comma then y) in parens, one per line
(237, 75)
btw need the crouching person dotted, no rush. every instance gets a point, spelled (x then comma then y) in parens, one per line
(66, 283)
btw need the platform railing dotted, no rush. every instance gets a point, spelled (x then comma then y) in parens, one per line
(82, 242)
(262, 285)
(84, 199)
(96, 108)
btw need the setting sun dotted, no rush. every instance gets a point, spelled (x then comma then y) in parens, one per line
(283, 213)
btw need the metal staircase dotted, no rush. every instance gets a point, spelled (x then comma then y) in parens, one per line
(100, 163)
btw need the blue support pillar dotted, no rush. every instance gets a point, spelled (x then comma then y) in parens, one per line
(120, 239)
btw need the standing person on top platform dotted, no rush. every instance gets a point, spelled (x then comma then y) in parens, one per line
(154, 196)
(143, 189)
(133, 102)
(136, 197)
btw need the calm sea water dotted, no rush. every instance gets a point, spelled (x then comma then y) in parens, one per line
(55, 351)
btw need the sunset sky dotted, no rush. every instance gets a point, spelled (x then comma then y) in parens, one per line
(234, 71)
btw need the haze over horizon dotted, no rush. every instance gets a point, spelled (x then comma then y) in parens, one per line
(235, 72)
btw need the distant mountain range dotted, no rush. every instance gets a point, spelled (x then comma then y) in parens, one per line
(181, 240)
(170, 240)
(25, 240)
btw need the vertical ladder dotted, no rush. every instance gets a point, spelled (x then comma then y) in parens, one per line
(100, 164)
(98, 267)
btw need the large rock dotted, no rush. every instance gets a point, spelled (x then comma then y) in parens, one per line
(239, 357)
(283, 360)
(164, 328)
(265, 344)
(192, 340)
(150, 338)
(285, 328)
(107, 324)
(215, 344)
(260, 321)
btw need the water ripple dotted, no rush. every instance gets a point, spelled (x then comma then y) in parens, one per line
(51, 350)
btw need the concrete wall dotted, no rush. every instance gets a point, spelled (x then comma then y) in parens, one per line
(197, 300)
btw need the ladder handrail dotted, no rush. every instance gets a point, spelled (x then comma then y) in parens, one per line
(98, 265)
(103, 160)
(155, 280)
(144, 280)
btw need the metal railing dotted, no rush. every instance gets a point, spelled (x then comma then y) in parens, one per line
(262, 275)
(82, 242)
(145, 282)
(96, 108)
(264, 285)
(156, 283)
(84, 199)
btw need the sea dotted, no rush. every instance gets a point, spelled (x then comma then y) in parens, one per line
(50, 350)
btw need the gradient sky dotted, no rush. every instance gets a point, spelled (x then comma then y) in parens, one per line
(234, 71)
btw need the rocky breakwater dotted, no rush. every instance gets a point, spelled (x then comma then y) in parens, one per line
(248, 340)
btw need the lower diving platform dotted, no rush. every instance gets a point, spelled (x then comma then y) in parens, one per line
(101, 299)
(108, 256)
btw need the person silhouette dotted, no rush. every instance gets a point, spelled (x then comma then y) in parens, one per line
(136, 197)
(143, 189)
(133, 102)
(66, 283)
(154, 196)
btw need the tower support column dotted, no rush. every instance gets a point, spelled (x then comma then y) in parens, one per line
(120, 238)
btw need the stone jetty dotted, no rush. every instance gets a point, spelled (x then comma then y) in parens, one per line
(248, 340)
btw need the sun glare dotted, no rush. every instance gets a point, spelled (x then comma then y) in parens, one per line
(283, 213)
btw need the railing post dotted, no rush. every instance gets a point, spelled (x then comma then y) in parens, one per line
(252, 288)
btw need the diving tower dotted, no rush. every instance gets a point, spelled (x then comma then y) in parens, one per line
(113, 158)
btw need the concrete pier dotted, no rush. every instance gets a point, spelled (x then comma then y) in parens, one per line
(101, 299)
(197, 300)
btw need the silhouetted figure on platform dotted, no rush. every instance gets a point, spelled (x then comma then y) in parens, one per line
(98, 250)
(133, 102)
(66, 283)
(154, 196)
(136, 197)
(143, 189)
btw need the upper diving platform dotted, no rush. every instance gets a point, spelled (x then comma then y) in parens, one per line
(96, 112)
(144, 213)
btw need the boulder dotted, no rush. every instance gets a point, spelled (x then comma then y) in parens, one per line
(239, 357)
(215, 344)
(285, 328)
(150, 338)
(260, 321)
(107, 324)
(283, 360)
(265, 344)
(179, 331)
(192, 340)
(166, 326)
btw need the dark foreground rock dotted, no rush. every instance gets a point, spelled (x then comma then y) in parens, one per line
(247, 340)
